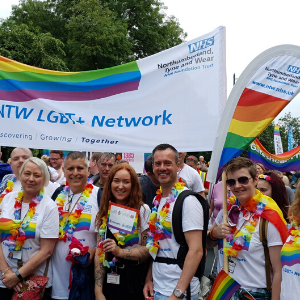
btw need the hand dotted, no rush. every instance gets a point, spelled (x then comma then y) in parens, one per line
(148, 289)
(110, 245)
(221, 231)
(11, 280)
(172, 297)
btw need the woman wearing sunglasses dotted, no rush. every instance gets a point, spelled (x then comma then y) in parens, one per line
(244, 249)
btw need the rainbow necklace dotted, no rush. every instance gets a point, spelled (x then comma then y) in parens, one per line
(294, 230)
(156, 227)
(73, 217)
(18, 237)
(9, 188)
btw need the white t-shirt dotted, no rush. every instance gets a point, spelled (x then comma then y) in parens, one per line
(62, 179)
(53, 173)
(290, 260)
(165, 277)
(249, 270)
(44, 224)
(133, 242)
(192, 179)
(85, 233)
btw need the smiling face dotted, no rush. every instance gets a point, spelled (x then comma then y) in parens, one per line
(242, 192)
(165, 168)
(56, 161)
(32, 179)
(265, 187)
(76, 173)
(121, 186)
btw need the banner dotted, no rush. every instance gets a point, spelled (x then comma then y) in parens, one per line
(128, 108)
(277, 140)
(291, 142)
(264, 88)
(288, 161)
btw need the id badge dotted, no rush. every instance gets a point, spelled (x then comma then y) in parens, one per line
(15, 255)
(231, 266)
(113, 278)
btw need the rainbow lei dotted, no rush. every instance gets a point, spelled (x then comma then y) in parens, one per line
(9, 188)
(236, 239)
(156, 227)
(294, 230)
(18, 237)
(74, 217)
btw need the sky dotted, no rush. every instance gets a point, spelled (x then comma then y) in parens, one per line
(251, 28)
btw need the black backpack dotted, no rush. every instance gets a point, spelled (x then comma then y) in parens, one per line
(179, 235)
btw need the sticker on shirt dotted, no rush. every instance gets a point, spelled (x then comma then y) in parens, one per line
(84, 222)
(290, 254)
(6, 225)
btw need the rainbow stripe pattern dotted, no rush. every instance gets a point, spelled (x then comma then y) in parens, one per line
(276, 130)
(253, 113)
(21, 83)
(287, 161)
(224, 287)
(290, 255)
(84, 222)
(130, 239)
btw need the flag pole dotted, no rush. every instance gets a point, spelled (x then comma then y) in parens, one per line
(225, 218)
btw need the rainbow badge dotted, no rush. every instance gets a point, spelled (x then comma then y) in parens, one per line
(224, 287)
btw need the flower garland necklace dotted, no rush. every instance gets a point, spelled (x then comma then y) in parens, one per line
(294, 230)
(73, 218)
(236, 239)
(9, 187)
(18, 237)
(156, 227)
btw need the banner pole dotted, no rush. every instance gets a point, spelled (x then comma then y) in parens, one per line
(225, 218)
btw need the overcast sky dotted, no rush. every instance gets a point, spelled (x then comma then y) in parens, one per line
(251, 28)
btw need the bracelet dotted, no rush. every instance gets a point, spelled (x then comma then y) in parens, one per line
(211, 235)
(19, 275)
(5, 271)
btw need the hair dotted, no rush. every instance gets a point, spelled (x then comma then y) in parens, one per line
(41, 164)
(262, 166)
(107, 155)
(77, 155)
(95, 156)
(294, 211)
(60, 152)
(279, 193)
(204, 169)
(123, 161)
(46, 159)
(238, 163)
(192, 157)
(24, 149)
(162, 147)
(133, 201)
(148, 165)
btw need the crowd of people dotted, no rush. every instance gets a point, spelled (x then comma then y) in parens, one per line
(54, 223)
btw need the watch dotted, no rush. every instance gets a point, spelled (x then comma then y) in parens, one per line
(19, 275)
(178, 293)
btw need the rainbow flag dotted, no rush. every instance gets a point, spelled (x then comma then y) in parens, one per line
(287, 161)
(277, 140)
(276, 130)
(290, 255)
(22, 83)
(130, 239)
(224, 287)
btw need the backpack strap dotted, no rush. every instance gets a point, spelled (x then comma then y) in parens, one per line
(57, 192)
(263, 236)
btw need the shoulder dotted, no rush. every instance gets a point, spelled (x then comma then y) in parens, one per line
(48, 202)
(145, 209)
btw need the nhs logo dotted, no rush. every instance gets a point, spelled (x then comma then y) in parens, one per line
(293, 69)
(200, 45)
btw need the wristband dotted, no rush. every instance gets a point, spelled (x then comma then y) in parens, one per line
(19, 275)
(211, 235)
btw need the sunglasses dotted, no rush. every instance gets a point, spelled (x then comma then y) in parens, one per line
(244, 180)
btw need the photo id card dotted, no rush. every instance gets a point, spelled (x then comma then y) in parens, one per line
(15, 255)
(113, 278)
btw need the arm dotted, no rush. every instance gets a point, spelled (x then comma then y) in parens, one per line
(92, 255)
(139, 253)
(192, 260)
(46, 249)
(220, 232)
(99, 273)
(211, 207)
(148, 287)
(277, 268)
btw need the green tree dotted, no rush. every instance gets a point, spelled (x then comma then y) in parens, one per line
(267, 138)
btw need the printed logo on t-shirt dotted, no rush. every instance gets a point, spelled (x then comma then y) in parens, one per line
(290, 254)
(84, 222)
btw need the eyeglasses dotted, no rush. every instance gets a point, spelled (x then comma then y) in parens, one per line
(55, 159)
(244, 180)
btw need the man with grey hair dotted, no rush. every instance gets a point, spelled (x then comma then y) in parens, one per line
(18, 156)
(93, 166)
(79, 204)
(105, 162)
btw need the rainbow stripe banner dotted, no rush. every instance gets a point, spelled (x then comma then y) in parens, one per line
(224, 287)
(277, 140)
(288, 161)
(118, 109)
(265, 87)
